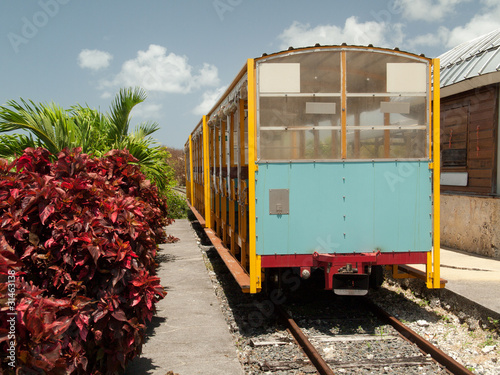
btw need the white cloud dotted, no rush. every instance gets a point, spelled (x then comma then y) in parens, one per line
(147, 110)
(209, 99)
(427, 10)
(209, 76)
(154, 70)
(94, 59)
(431, 39)
(486, 20)
(380, 34)
(106, 95)
(479, 25)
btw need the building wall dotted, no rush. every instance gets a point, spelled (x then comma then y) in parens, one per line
(471, 223)
(469, 136)
(498, 146)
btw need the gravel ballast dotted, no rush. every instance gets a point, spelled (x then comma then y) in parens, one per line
(262, 346)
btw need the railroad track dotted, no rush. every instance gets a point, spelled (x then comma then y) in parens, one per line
(391, 346)
(341, 335)
(327, 334)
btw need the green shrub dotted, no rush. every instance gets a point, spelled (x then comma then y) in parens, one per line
(177, 205)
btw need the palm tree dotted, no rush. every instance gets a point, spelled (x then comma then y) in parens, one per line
(54, 128)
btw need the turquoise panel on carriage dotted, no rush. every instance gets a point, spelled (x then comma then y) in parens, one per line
(344, 207)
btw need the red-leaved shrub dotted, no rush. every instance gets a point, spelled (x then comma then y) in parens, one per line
(81, 234)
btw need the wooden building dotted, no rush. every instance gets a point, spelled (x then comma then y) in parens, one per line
(470, 157)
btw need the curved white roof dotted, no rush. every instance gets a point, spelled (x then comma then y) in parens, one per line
(471, 64)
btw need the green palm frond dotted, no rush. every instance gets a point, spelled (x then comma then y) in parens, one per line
(13, 145)
(152, 159)
(145, 129)
(120, 109)
(50, 124)
(31, 118)
(93, 128)
(67, 135)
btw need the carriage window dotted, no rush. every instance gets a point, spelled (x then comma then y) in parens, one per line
(293, 144)
(368, 143)
(387, 106)
(369, 72)
(299, 107)
(386, 127)
(302, 106)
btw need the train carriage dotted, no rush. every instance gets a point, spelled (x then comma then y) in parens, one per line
(322, 158)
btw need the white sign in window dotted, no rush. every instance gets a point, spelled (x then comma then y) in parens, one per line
(321, 108)
(279, 78)
(406, 77)
(395, 107)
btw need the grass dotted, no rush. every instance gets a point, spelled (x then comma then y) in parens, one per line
(381, 331)
(490, 341)
(445, 318)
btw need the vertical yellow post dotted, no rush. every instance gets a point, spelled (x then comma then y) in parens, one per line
(232, 162)
(343, 104)
(430, 98)
(429, 271)
(255, 268)
(242, 133)
(436, 175)
(206, 173)
(191, 182)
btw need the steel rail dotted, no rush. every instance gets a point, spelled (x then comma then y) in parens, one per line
(437, 354)
(304, 343)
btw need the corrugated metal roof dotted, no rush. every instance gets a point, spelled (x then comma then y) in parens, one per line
(471, 59)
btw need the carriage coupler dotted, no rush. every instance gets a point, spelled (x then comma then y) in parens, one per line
(341, 276)
(351, 284)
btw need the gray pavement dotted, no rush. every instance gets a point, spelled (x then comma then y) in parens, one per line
(474, 277)
(189, 334)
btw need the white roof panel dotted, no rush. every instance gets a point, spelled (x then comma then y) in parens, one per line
(471, 59)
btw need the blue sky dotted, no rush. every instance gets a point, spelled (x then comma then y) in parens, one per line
(185, 52)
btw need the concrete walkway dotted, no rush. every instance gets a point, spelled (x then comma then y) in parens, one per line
(474, 277)
(189, 334)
